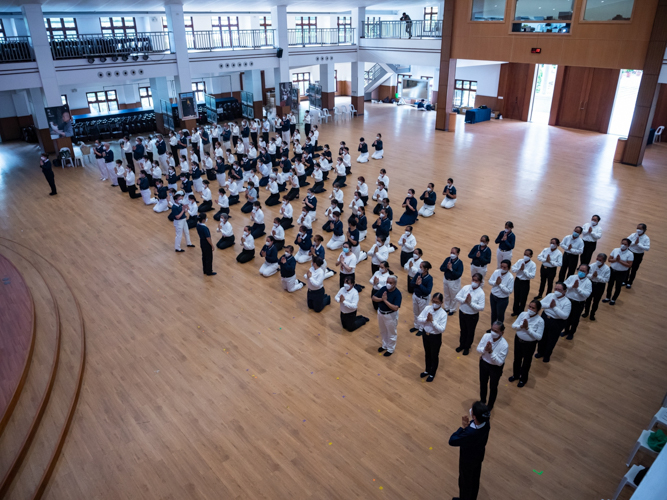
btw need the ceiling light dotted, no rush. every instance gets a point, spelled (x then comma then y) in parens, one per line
(103, 59)
(135, 58)
(114, 58)
(124, 58)
(145, 57)
(91, 60)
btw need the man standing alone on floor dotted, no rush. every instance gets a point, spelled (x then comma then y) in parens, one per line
(47, 170)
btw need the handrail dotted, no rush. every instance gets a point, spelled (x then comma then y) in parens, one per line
(402, 29)
(16, 49)
(320, 36)
(80, 46)
(230, 39)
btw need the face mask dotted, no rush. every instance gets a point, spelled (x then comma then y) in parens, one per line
(383, 271)
(640, 232)
(495, 336)
(526, 258)
(624, 247)
(390, 287)
(409, 195)
(378, 243)
(502, 271)
(428, 189)
(358, 183)
(346, 250)
(356, 197)
(246, 233)
(415, 256)
(276, 225)
(482, 244)
(436, 307)
(507, 230)
(347, 287)
(575, 235)
(453, 256)
(378, 138)
(599, 263)
(43, 158)
(382, 216)
(407, 233)
(581, 274)
(553, 247)
(593, 223)
(558, 294)
(287, 254)
(531, 313)
(474, 285)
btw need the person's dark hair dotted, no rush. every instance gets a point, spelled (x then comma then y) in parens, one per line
(556, 240)
(361, 139)
(485, 238)
(350, 280)
(602, 255)
(201, 217)
(581, 229)
(481, 412)
(529, 250)
(478, 276)
(427, 264)
(318, 261)
(257, 204)
(290, 248)
(271, 239)
(458, 251)
(597, 216)
(626, 241)
(563, 284)
(588, 268)
(438, 296)
(643, 226)
(509, 224)
(450, 180)
(506, 261)
(538, 304)
(419, 251)
(500, 325)
(431, 185)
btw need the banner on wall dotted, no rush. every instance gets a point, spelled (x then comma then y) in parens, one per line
(60, 122)
(286, 94)
(188, 105)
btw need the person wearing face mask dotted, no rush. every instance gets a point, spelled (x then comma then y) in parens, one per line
(362, 224)
(270, 254)
(472, 299)
(329, 213)
(529, 330)
(287, 264)
(108, 164)
(356, 203)
(573, 246)
(287, 213)
(257, 217)
(410, 206)
(317, 298)
(317, 250)
(379, 279)
(318, 177)
(525, 270)
(493, 349)
(412, 267)
(450, 194)
(161, 195)
(422, 286)
(377, 144)
(620, 261)
(337, 195)
(278, 234)
(99, 151)
(130, 182)
(591, 233)
(471, 438)
(206, 245)
(598, 273)
(506, 241)
(502, 282)
(639, 244)
(453, 269)
(178, 215)
(348, 297)
(226, 233)
(579, 288)
(382, 225)
(47, 170)
(305, 243)
(305, 218)
(379, 195)
(352, 235)
(389, 300)
(550, 258)
(556, 309)
(379, 253)
(481, 257)
(338, 237)
(347, 262)
(432, 322)
(341, 173)
(407, 242)
(428, 208)
(310, 202)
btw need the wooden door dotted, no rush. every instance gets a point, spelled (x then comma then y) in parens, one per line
(575, 82)
(515, 86)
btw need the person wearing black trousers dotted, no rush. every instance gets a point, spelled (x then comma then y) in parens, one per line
(493, 349)
(206, 245)
(529, 328)
(550, 258)
(472, 299)
(471, 438)
(620, 261)
(573, 246)
(639, 244)
(348, 297)
(599, 275)
(525, 270)
(432, 322)
(317, 298)
(47, 170)
(556, 309)
(592, 232)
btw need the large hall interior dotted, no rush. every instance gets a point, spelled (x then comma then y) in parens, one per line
(306, 251)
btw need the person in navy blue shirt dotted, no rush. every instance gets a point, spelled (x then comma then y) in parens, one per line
(429, 198)
(422, 286)
(382, 226)
(453, 269)
(186, 185)
(138, 151)
(389, 299)
(471, 438)
(505, 242)
(206, 245)
(287, 265)
(410, 204)
(47, 170)
(481, 256)
(108, 162)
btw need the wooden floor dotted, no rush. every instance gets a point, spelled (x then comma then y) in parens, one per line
(229, 388)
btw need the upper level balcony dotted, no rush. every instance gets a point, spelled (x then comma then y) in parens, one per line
(320, 36)
(16, 49)
(116, 46)
(403, 29)
(230, 39)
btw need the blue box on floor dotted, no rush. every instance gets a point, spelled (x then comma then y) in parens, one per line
(478, 115)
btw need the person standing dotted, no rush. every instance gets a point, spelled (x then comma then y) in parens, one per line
(453, 269)
(161, 148)
(422, 286)
(348, 298)
(550, 258)
(306, 123)
(47, 170)
(412, 267)
(493, 349)
(99, 156)
(555, 311)
(481, 257)
(529, 330)
(598, 273)
(502, 282)
(471, 297)
(591, 233)
(206, 245)
(408, 24)
(621, 260)
(573, 245)
(525, 270)
(432, 323)
(108, 164)
(639, 244)
(127, 151)
(138, 152)
(579, 288)
(471, 438)
(317, 298)
(506, 241)
(178, 215)
(389, 299)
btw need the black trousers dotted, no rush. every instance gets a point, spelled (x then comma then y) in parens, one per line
(217, 215)
(122, 184)
(245, 256)
(547, 275)
(351, 321)
(340, 180)
(174, 152)
(569, 266)
(572, 321)
(130, 161)
(432, 344)
(589, 249)
(272, 200)
(411, 288)
(225, 242)
(286, 222)
(616, 279)
(51, 180)
(523, 357)
(318, 187)
(318, 300)
(265, 136)
(638, 257)
(132, 190)
(405, 257)
(593, 300)
(253, 138)
(552, 329)
(489, 376)
(306, 129)
(374, 268)
(467, 323)
(498, 308)
(469, 474)
(206, 256)
(521, 291)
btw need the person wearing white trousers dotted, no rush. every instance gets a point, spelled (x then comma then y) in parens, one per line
(363, 151)
(481, 257)
(287, 265)
(422, 285)
(450, 195)
(162, 204)
(270, 254)
(180, 223)
(506, 241)
(379, 151)
(389, 299)
(453, 269)
(101, 164)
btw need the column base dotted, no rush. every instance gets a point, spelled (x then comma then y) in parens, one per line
(358, 103)
(328, 100)
(258, 109)
(159, 123)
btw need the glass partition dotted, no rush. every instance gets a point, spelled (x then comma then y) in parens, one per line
(488, 10)
(543, 10)
(601, 10)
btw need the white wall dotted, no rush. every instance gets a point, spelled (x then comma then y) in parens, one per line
(313, 70)
(344, 71)
(487, 77)
(7, 108)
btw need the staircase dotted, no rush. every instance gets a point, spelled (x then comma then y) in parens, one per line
(378, 74)
(36, 427)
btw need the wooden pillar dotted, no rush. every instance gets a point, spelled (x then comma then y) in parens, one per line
(447, 70)
(358, 103)
(648, 89)
(329, 100)
(258, 109)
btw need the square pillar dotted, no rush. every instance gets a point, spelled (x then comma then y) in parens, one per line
(176, 25)
(281, 73)
(358, 86)
(358, 18)
(160, 91)
(328, 82)
(252, 82)
(447, 77)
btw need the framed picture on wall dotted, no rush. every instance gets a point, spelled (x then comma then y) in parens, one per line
(188, 105)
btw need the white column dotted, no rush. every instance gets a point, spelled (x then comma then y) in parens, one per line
(357, 78)
(20, 28)
(176, 24)
(34, 20)
(252, 82)
(327, 79)
(159, 91)
(279, 24)
(38, 113)
(358, 17)
(21, 103)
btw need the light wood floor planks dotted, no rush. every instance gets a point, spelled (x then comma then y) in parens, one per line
(227, 387)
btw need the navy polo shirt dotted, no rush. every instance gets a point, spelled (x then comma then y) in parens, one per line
(175, 210)
(144, 183)
(508, 244)
(203, 232)
(428, 197)
(484, 255)
(108, 156)
(425, 289)
(457, 269)
(394, 298)
(288, 269)
(139, 151)
(161, 148)
(270, 253)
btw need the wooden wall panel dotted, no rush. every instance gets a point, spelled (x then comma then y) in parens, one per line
(10, 129)
(600, 101)
(660, 116)
(344, 87)
(515, 86)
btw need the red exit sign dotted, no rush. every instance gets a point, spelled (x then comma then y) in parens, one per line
(535, 51)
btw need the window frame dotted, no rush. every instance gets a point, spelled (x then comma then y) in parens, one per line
(309, 25)
(197, 90)
(148, 96)
(50, 29)
(336, 80)
(514, 21)
(471, 20)
(99, 101)
(63, 98)
(3, 33)
(430, 16)
(463, 89)
(111, 30)
(298, 81)
(583, 13)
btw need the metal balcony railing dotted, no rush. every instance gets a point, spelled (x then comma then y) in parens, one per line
(230, 39)
(403, 29)
(16, 49)
(320, 36)
(105, 45)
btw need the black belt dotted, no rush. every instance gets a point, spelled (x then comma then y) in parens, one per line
(383, 312)
(420, 297)
(525, 341)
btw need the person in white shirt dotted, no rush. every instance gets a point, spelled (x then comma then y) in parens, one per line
(471, 297)
(379, 253)
(620, 261)
(408, 243)
(278, 234)
(529, 330)
(127, 150)
(550, 258)
(305, 219)
(502, 282)
(493, 349)
(379, 279)
(555, 311)
(573, 245)
(317, 298)
(248, 244)
(579, 288)
(412, 267)
(226, 233)
(639, 244)
(382, 178)
(379, 195)
(362, 189)
(348, 297)
(432, 323)
(356, 203)
(525, 270)
(207, 198)
(347, 262)
(591, 233)
(316, 136)
(598, 273)
(422, 286)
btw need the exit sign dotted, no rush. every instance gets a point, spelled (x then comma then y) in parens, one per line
(535, 51)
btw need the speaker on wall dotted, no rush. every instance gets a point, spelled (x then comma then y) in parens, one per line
(279, 53)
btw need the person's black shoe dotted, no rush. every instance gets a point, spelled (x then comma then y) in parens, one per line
(181, 250)
(459, 349)
(514, 314)
(570, 336)
(624, 283)
(191, 246)
(592, 317)
(419, 333)
(546, 360)
(605, 300)
(381, 349)
(359, 288)
(211, 274)
(629, 285)
(393, 246)
(612, 302)
(387, 354)
(466, 352)
(585, 315)
(512, 378)
(53, 194)
(451, 313)
(538, 355)
(423, 374)
(521, 383)
(413, 330)
(301, 282)
(537, 297)
(562, 334)
(430, 378)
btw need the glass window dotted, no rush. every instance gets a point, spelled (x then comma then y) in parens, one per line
(543, 10)
(199, 88)
(63, 98)
(430, 18)
(119, 27)
(464, 93)
(102, 102)
(301, 80)
(488, 10)
(599, 10)
(2, 31)
(146, 97)
(54, 27)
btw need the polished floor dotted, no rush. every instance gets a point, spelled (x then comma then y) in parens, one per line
(229, 388)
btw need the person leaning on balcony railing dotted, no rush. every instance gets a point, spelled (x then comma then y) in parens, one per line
(408, 24)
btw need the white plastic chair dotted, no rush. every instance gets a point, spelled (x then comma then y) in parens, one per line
(352, 110)
(629, 479)
(325, 115)
(657, 137)
(344, 111)
(661, 417)
(642, 442)
(337, 113)
(65, 156)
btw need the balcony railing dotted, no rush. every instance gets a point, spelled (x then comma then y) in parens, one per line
(403, 29)
(114, 46)
(15, 49)
(320, 36)
(230, 39)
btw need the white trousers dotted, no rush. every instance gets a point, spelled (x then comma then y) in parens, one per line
(448, 203)
(103, 168)
(291, 284)
(111, 173)
(336, 242)
(268, 269)
(226, 145)
(302, 256)
(362, 236)
(427, 210)
(327, 273)
(418, 306)
(172, 186)
(198, 185)
(477, 269)
(501, 256)
(388, 330)
(163, 162)
(451, 287)
(146, 195)
(222, 178)
(378, 155)
(286, 137)
(161, 206)
(246, 142)
(181, 227)
(362, 158)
